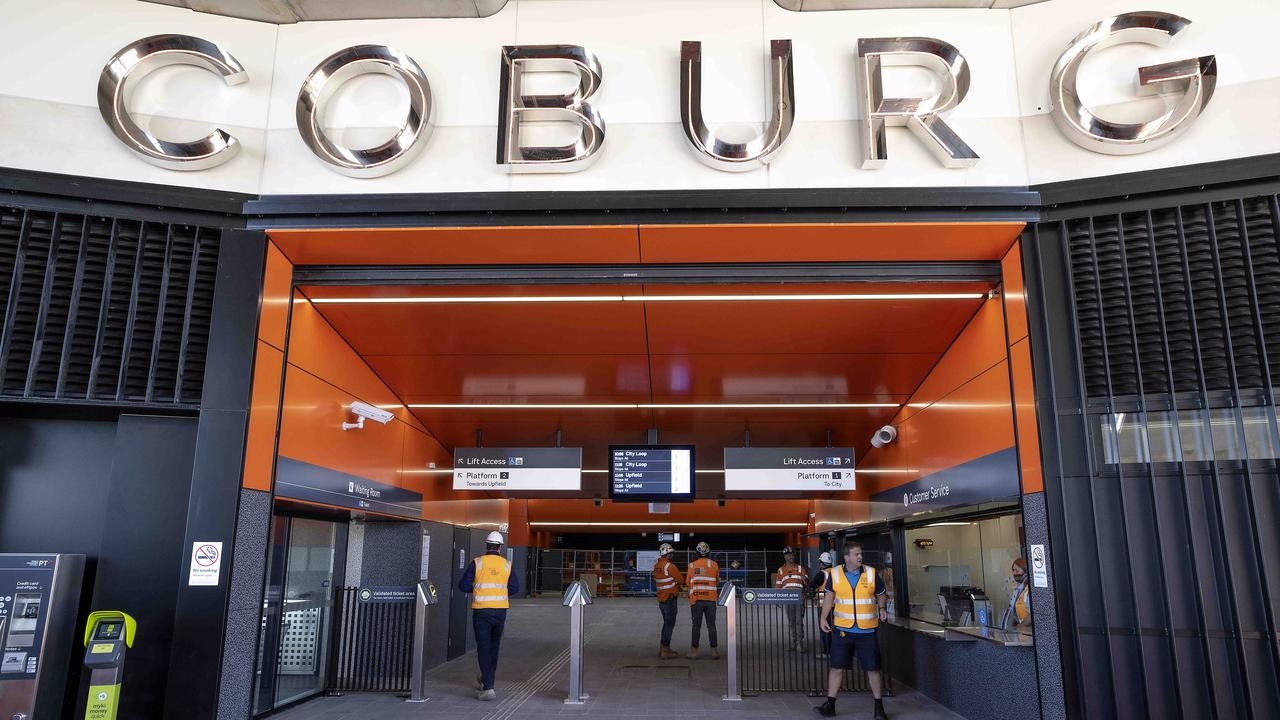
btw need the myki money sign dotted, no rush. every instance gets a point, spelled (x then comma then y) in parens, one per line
(517, 469)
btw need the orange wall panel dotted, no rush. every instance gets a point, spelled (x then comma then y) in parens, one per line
(832, 242)
(1028, 425)
(264, 411)
(311, 431)
(1015, 293)
(277, 286)
(978, 347)
(590, 244)
(314, 346)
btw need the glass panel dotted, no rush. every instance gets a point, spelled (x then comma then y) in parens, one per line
(306, 604)
(960, 573)
(1260, 433)
(1193, 430)
(264, 690)
(1228, 440)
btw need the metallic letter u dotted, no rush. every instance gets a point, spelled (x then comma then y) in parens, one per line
(134, 62)
(344, 65)
(921, 115)
(515, 109)
(1193, 80)
(737, 156)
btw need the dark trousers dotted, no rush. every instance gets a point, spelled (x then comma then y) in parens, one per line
(704, 609)
(668, 609)
(488, 624)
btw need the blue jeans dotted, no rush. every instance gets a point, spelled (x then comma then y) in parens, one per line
(704, 609)
(668, 609)
(488, 624)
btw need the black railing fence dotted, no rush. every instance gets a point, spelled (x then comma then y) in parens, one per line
(374, 643)
(768, 660)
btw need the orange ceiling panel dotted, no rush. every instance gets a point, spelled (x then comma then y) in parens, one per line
(589, 244)
(830, 377)
(811, 327)
(827, 242)
(979, 346)
(481, 377)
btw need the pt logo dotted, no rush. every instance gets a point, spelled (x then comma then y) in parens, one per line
(206, 556)
(906, 498)
(749, 596)
(366, 594)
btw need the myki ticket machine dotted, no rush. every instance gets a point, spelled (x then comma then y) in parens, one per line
(39, 598)
(108, 635)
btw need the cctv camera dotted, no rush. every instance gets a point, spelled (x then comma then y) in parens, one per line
(365, 410)
(884, 436)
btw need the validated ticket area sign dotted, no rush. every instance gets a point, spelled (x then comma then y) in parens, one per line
(517, 469)
(788, 469)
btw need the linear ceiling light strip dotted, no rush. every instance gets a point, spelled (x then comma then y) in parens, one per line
(649, 406)
(665, 523)
(642, 298)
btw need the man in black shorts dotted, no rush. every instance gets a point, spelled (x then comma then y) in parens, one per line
(853, 607)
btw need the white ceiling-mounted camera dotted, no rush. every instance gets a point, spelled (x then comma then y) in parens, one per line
(365, 410)
(884, 436)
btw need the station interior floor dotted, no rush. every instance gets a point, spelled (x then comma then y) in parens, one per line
(622, 676)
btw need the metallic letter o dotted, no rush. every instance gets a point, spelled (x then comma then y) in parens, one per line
(757, 152)
(1194, 79)
(122, 73)
(344, 65)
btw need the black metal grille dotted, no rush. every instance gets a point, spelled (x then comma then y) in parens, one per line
(374, 644)
(1166, 500)
(104, 310)
(770, 661)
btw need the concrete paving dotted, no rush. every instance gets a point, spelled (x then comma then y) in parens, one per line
(622, 674)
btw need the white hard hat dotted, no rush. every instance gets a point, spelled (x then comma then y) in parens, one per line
(495, 538)
(788, 551)
(825, 558)
(665, 549)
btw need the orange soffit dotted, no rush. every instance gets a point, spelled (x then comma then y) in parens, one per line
(855, 242)
(588, 244)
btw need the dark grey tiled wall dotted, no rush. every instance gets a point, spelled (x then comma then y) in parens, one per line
(244, 611)
(976, 679)
(1044, 619)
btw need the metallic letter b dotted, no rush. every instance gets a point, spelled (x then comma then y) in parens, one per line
(1194, 79)
(516, 108)
(921, 115)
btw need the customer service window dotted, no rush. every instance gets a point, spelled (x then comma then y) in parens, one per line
(960, 572)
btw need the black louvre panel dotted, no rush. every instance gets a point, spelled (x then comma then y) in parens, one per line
(105, 310)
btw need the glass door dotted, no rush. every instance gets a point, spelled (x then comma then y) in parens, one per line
(297, 610)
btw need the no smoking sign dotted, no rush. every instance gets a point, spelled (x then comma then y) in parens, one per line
(206, 563)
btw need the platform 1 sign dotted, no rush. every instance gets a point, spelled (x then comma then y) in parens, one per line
(517, 469)
(788, 469)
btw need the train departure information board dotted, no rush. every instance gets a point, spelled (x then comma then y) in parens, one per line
(651, 473)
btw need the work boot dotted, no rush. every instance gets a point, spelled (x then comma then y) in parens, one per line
(715, 653)
(880, 714)
(666, 653)
(692, 654)
(827, 709)
(487, 695)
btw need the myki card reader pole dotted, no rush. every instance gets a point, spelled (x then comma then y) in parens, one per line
(108, 635)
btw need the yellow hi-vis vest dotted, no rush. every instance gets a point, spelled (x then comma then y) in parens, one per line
(857, 603)
(1020, 607)
(490, 588)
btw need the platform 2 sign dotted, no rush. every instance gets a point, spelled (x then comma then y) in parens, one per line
(517, 469)
(788, 469)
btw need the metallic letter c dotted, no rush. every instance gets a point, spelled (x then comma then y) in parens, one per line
(1195, 80)
(135, 61)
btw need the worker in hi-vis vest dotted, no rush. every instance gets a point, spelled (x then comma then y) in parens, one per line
(668, 580)
(491, 584)
(852, 609)
(818, 584)
(703, 579)
(791, 576)
(1018, 614)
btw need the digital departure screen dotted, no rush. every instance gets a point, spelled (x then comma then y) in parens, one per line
(651, 473)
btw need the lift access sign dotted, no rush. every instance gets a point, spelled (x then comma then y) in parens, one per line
(517, 469)
(788, 469)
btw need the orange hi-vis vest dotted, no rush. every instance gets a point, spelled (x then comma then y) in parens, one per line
(856, 604)
(1020, 606)
(790, 577)
(666, 579)
(490, 588)
(704, 574)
